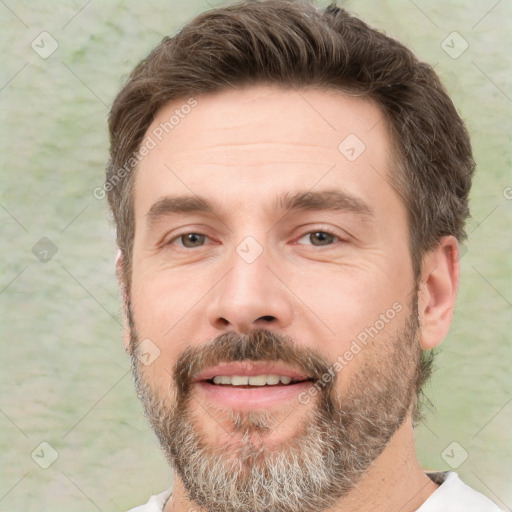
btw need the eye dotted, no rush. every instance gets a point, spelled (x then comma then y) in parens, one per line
(190, 240)
(319, 238)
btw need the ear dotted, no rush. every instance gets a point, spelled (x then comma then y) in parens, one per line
(437, 291)
(124, 299)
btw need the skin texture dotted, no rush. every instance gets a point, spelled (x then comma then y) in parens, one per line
(240, 150)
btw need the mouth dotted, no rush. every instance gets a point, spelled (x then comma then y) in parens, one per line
(251, 385)
(252, 381)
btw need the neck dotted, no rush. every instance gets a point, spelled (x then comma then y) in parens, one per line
(395, 481)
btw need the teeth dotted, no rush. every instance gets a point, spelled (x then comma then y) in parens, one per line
(239, 380)
(222, 380)
(256, 380)
(273, 379)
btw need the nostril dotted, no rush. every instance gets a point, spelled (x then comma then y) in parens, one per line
(268, 318)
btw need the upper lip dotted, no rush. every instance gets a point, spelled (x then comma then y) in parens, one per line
(250, 368)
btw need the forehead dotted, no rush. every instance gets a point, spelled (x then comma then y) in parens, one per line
(239, 142)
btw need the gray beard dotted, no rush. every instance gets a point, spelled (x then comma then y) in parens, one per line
(334, 446)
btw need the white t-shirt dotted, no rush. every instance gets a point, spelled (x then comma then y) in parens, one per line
(453, 495)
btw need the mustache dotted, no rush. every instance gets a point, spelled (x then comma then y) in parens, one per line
(258, 345)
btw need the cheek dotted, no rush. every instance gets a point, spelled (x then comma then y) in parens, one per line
(349, 299)
(165, 309)
(162, 300)
(353, 317)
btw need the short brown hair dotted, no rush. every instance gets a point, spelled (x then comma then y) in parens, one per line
(294, 44)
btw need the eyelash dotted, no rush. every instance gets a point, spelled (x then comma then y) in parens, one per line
(326, 232)
(320, 230)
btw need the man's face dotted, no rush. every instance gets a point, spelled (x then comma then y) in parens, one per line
(272, 277)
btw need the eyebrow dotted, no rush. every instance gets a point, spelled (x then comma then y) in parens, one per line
(178, 204)
(333, 200)
(323, 200)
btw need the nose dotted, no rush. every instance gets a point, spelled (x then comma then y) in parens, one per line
(251, 295)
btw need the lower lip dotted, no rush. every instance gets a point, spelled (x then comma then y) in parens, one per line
(251, 398)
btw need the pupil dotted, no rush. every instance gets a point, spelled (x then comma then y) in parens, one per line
(321, 237)
(193, 239)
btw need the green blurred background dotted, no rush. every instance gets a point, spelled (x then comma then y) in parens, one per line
(64, 376)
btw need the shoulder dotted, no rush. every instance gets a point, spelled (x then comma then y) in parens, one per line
(154, 504)
(453, 495)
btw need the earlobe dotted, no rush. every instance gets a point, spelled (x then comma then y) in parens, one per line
(438, 291)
